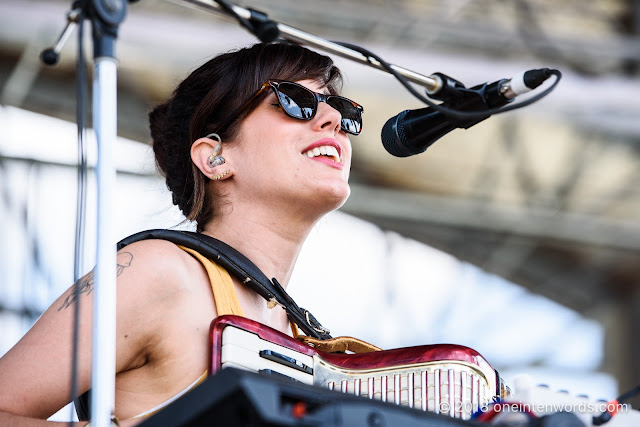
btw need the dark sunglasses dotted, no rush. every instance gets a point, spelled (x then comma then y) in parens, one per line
(301, 103)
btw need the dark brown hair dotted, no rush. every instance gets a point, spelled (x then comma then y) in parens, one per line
(204, 101)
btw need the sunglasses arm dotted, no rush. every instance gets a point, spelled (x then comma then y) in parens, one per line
(268, 30)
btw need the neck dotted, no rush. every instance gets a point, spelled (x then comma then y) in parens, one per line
(272, 244)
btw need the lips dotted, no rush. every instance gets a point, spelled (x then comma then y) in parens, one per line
(326, 148)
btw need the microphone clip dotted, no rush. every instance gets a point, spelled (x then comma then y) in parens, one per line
(476, 99)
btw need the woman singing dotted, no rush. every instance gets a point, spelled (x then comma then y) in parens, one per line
(255, 149)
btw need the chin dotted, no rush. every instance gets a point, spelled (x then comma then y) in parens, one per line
(337, 195)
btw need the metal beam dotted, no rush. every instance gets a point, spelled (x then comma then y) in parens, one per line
(513, 220)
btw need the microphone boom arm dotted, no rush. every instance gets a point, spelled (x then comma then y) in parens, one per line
(431, 85)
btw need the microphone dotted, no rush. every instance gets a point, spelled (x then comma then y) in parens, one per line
(413, 131)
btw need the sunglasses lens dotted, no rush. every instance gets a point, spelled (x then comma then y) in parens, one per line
(300, 103)
(351, 115)
(296, 101)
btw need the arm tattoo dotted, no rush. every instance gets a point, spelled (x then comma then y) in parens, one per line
(86, 283)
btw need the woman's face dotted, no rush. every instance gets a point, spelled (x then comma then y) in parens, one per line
(285, 161)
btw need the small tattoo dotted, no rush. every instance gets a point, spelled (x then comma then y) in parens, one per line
(85, 284)
(123, 261)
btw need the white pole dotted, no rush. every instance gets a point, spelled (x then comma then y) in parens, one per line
(104, 294)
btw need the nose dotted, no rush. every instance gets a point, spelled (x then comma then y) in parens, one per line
(327, 118)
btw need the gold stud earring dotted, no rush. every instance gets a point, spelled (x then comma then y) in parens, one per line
(220, 175)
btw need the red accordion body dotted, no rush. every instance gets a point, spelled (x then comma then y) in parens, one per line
(444, 378)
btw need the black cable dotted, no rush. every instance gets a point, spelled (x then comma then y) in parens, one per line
(229, 9)
(259, 24)
(453, 113)
(81, 95)
(450, 112)
(629, 394)
(606, 416)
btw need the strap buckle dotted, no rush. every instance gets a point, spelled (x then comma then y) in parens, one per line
(315, 325)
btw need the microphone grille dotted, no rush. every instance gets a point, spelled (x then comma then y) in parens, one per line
(393, 137)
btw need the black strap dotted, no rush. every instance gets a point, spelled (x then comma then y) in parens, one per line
(83, 408)
(242, 268)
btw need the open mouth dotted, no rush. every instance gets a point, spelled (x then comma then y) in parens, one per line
(328, 151)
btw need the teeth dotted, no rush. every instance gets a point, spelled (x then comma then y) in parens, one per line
(325, 150)
(332, 151)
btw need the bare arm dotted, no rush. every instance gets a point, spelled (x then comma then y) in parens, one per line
(7, 419)
(35, 374)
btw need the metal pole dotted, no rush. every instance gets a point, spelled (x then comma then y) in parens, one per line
(298, 36)
(104, 298)
(106, 16)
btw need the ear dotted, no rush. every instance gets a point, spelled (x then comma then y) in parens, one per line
(201, 150)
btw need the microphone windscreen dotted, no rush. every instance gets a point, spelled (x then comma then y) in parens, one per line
(393, 136)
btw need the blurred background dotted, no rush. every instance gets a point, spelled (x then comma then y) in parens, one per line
(519, 237)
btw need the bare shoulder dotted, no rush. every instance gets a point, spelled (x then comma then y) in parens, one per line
(158, 283)
(160, 250)
(155, 265)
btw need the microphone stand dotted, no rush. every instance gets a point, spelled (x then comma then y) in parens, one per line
(267, 30)
(105, 17)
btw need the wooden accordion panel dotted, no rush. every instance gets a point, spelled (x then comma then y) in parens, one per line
(445, 378)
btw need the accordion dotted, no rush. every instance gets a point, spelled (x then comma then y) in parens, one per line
(448, 379)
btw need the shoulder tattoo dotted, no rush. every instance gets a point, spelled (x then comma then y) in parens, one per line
(86, 283)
